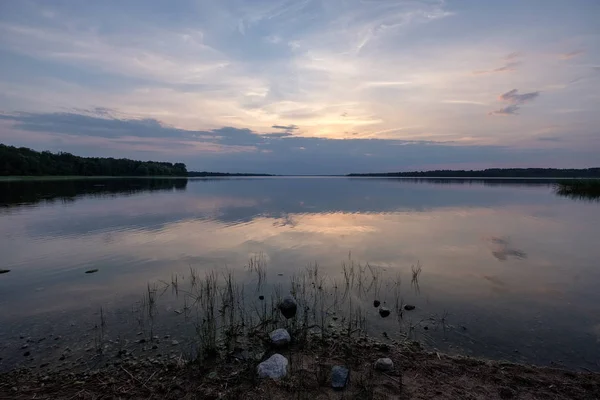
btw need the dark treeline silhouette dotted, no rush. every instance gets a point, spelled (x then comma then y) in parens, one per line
(25, 162)
(217, 174)
(496, 173)
(24, 193)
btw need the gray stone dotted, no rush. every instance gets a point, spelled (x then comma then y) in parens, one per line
(384, 364)
(339, 377)
(384, 312)
(288, 307)
(174, 343)
(275, 367)
(280, 337)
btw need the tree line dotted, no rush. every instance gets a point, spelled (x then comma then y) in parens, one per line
(496, 173)
(221, 174)
(23, 161)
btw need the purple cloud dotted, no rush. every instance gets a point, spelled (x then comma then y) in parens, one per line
(515, 101)
(514, 97)
(508, 110)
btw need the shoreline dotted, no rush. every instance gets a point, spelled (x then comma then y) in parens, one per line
(416, 374)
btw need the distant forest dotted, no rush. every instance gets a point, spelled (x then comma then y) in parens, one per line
(217, 174)
(23, 161)
(496, 173)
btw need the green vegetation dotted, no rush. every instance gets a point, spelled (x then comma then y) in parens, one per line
(580, 189)
(27, 162)
(495, 173)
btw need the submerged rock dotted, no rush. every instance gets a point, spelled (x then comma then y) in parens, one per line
(4, 271)
(275, 367)
(384, 364)
(409, 307)
(288, 307)
(339, 377)
(91, 271)
(384, 312)
(280, 337)
(376, 303)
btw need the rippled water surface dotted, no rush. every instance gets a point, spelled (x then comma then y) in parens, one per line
(512, 267)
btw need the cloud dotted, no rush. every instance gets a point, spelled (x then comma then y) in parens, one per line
(513, 55)
(508, 67)
(102, 123)
(571, 54)
(550, 138)
(508, 110)
(337, 69)
(514, 97)
(285, 127)
(459, 101)
(515, 101)
(231, 149)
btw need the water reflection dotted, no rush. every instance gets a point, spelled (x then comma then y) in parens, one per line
(31, 192)
(506, 261)
(502, 249)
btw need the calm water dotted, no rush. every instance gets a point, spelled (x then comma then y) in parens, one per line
(514, 267)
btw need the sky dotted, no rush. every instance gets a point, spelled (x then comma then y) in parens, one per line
(305, 86)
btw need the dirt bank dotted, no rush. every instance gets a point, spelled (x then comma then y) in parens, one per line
(417, 374)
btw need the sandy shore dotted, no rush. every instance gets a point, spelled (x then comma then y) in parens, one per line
(416, 374)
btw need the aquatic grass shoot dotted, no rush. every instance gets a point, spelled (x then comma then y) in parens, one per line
(227, 315)
(582, 189)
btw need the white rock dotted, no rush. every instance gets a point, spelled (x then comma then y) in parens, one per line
(275, 367)
(280, 337)
(384, 364)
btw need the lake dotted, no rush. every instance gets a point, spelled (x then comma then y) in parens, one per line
(509, 270)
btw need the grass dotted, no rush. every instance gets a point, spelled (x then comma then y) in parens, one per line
(330, 328)
(584, 189)
(228, 315)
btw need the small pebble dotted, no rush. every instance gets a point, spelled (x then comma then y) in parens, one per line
(339, 377)
(384, 364)
(174, 342)
(384, 312)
